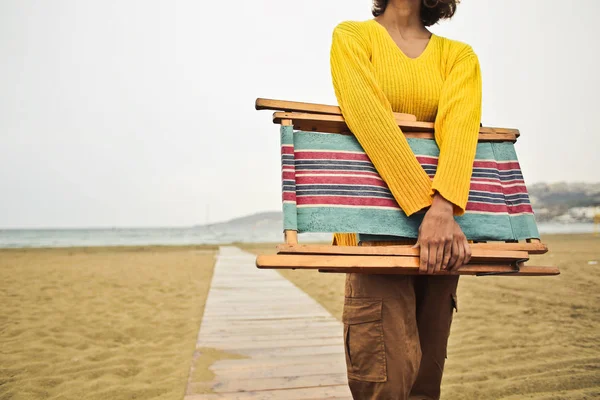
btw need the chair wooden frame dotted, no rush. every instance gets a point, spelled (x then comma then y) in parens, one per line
(488, 258)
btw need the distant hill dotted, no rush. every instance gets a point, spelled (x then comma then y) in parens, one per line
(255, 219)
(565, 201)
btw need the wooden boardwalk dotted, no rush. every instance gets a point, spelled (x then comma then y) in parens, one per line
(292, 347)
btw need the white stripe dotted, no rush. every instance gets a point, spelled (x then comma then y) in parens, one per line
(344, 206)
(330, 151)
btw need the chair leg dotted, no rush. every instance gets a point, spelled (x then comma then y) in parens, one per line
(291, 237)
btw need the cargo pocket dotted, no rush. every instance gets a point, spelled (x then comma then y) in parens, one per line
(363, 339)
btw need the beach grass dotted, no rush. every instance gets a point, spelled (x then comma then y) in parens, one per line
(513, 337)
(100, 323)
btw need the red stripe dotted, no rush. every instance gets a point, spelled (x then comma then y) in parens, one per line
(427, 160)
(486, 188)
(330, 155)
(513, 182)
(333, 171)
(340, 180)
(288, 175)
(502, 166)
(347, 201)
(287, 149)
(499, 208)
(521, 189)
(289, 196)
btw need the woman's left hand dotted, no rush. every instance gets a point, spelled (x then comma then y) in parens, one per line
(443, 245)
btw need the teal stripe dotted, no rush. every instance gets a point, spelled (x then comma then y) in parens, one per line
(504, 151)
(325, 141)
(290, 217)
(287, 134)
(500, 151)
(395, 223)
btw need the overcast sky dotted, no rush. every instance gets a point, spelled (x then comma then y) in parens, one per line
(140, 113)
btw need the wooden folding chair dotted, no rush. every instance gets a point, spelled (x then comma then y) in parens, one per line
(330, 185)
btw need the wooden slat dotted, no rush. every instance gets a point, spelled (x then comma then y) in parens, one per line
(478, 253)
(319, 392)
(417, 129)
(308, 261)
(311, 368)
(296, 106)
(255, 384)
(536, 247)
(250, 363)
(313, 108)
(382, 265)
(501, 270)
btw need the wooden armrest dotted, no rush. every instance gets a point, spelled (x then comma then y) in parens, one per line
(411, 129)
(316, 117)
(296, 106)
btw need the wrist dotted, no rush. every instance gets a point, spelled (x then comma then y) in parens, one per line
(440, 204)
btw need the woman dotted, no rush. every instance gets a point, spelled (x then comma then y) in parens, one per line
(396, 327)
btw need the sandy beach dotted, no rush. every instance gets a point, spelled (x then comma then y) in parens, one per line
(100, 323)
(121, 323)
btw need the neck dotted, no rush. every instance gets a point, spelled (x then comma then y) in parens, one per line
(403, 16)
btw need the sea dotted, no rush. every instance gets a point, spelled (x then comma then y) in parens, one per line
(219, 234)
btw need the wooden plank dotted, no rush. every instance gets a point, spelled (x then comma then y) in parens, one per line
(257, 364)
(478, 253)
(501, 270)
(218, 326)
(294, 351)
(289, 382)
(383, 265)
(310, 261)
(296, 106)
(208, 340)
(322, 392)
(411, 129)
(286, 370)
(300, 107)
(534, 247)
(241, 344)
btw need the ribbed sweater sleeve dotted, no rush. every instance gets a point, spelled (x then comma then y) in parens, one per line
(457, 129)
(369, 116)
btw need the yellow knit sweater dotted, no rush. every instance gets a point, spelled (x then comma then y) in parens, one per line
(372, 78)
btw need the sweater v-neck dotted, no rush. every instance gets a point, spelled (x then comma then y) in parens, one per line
(393, 42)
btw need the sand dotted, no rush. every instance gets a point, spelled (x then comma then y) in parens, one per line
(513, 338)
(121, 323)
(100, 323)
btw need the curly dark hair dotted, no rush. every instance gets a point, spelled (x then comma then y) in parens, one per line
(431, 10)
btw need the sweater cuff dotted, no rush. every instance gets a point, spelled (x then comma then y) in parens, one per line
(452, 195)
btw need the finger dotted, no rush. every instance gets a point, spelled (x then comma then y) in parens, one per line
(432, 257)
(439, 257)
(461, 256)
(447, 254)
(467, 251)
(454, 255)
(423, 259)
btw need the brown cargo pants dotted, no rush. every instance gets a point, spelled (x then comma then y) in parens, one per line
(396, 330)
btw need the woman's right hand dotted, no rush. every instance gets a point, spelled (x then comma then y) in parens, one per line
(442, 243)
